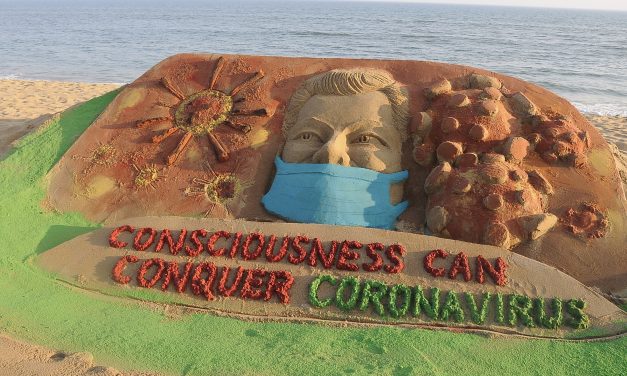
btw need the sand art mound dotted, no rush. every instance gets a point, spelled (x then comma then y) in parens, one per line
(491, 159)
(218, 206)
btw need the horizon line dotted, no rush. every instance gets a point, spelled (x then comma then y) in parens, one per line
(522, 5)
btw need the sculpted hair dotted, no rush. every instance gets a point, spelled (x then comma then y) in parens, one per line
(349, 82)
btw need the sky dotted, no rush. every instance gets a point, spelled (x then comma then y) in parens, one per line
(576, 4)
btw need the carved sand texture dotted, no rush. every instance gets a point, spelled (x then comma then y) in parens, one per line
(88, 260)
(553, 158)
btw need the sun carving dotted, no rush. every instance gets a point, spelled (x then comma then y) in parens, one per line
(198, 114)
(147, 176)
(219, 189)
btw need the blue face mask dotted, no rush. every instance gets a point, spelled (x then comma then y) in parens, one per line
(334, 195)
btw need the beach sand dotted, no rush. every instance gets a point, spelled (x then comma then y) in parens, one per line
(613, 128)
(21, 358)
(24, 105)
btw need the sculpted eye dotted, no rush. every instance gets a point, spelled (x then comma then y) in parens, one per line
(307, 137)
(368, 139)
(363, 139)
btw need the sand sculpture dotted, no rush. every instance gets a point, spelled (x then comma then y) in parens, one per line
(491, 159)
(423, 148)
(199, 113)
(347, 126)
(480, 137)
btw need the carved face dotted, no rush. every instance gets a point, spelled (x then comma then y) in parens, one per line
(354, 130)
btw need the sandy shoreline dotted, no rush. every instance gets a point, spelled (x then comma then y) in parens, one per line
(613, 128)
(24, 105)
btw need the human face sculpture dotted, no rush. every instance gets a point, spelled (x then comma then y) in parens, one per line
(353, 130)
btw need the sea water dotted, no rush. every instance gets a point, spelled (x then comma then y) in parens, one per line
(580, 55)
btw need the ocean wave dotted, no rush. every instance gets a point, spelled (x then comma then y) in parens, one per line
(11, 77)
(20, 77)
(604, 109)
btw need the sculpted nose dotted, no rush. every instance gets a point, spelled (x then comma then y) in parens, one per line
(333, 152)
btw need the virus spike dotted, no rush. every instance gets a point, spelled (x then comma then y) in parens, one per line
(150, 122)
(238, 163)
(208, 212)
(215, 175)
(162, 104)
(200, 181)
(257, 112)
(216, 72)
(258, 76)
(179, 149)
(165, 81)
(168, 132)
(221, 151)
(244, 128)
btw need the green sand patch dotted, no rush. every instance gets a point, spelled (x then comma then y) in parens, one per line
(127, 334)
